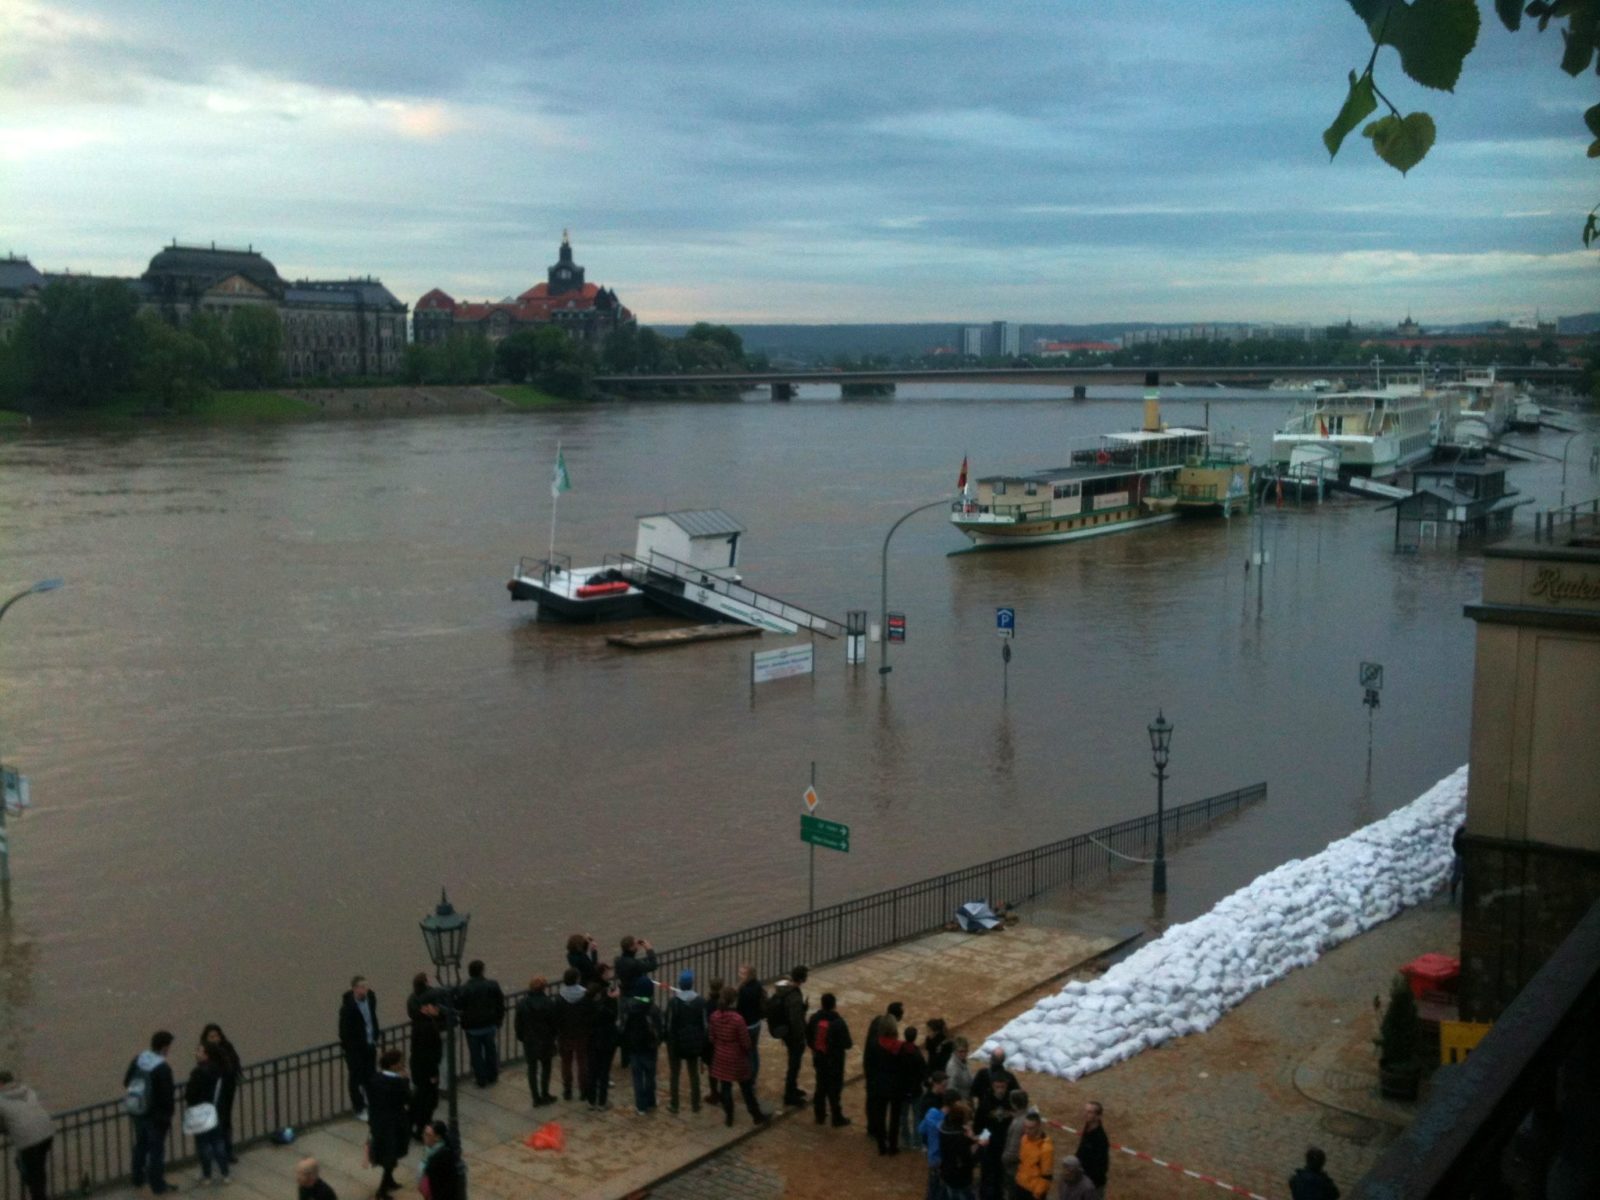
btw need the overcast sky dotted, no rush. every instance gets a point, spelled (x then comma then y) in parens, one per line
(799, 161)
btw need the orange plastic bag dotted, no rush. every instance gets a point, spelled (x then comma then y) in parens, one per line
(546, 1137)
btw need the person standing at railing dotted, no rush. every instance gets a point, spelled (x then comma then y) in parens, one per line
(232, 1073)
(633, 968)
(205, 1088)
(427, 1054)
(27, 1123)
(583, 955)
(536, 1027)
(148, 1098)
(602, 999)
(358, 1038)
(574, 1020)
(752, 1007)
(483, 1009)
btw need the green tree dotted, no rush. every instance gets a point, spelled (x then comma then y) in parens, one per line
(720, 335)
(1433, 39)
(175, 367)
(256, 337)
(79, 343)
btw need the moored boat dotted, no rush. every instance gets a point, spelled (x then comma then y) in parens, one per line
(1117, 482)
(1375, 431)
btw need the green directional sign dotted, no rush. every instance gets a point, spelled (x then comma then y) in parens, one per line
(830, 835)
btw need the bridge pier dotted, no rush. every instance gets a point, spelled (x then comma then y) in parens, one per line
(783, 391)
(1080, 391)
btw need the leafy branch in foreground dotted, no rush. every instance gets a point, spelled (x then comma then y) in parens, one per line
(1433, 39)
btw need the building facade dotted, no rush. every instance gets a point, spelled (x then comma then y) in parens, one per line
(586, 311)
(331, 328)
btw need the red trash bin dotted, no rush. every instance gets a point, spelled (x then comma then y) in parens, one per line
(1432, 973)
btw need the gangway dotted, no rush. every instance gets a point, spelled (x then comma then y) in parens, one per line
(693, 590)
(1515, 453)
(1360, 485)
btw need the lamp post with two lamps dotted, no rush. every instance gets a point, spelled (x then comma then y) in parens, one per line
(444, 930)
(44, 585)
(1160, 743)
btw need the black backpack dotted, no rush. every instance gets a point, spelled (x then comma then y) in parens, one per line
(776, 1012)
(688, 1021)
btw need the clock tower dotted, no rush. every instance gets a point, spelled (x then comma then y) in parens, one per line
(565, 275)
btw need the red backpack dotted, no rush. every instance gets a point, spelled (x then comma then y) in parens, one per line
(819, 1040)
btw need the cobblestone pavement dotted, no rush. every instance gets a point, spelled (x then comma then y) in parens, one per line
(619, 1152)
(1290, 1067)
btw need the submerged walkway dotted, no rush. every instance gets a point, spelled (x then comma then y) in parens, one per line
(616, 1153)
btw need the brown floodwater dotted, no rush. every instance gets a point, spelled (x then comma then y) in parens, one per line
(284, 697)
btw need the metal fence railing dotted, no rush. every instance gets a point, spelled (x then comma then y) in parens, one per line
(93, 1144)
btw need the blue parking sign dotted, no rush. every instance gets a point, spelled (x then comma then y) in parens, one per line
(1005, 621)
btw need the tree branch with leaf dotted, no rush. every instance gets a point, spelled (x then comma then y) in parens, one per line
(1433, 39)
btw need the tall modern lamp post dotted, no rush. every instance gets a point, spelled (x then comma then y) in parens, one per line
(1160, 743)
(883, 612)
(445, 932)
(44, 585)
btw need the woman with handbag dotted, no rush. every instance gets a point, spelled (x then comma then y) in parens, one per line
(200, 1119)
(232, 1074)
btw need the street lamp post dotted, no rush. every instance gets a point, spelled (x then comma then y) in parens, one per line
(1160, 743)
(1565, 446)
(444, 930)
(883, 610)
(44, 585)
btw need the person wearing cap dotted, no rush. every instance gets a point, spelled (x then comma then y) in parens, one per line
(687, 1035)
(1074, 1184)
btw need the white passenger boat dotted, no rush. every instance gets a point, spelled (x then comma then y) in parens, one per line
(1375, 431)
(1110, 484)
(1477, 408)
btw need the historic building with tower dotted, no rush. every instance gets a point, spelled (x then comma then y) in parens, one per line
(585, 310)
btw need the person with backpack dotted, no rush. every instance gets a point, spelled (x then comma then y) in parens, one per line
(574, 1020)
(27, 1125)
(204, 1088)
(148, 1099)
(829, 1039)
(641, 1044)
(536, 1027)
(786, 1020)
(686, 1038)
(483, 1009)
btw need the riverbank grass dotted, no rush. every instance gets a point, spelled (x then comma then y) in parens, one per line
(249, 406)
(8, 418)
(525, 395)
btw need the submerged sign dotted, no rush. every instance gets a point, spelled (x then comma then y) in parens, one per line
(783, 663)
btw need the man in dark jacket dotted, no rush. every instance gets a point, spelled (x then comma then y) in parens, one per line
(574, 1020)
(641, 1043)
(536, 1030)
(483, 1007)
(633, 966)
(790, 1001)
(1311, 1182)
(358, 1038)
(427, 1052)
(829, 1039)
(147, 1084)
(389, 1131)
(1094, 1148)
(983, 1081)
(752, 1006)
(687, 1034)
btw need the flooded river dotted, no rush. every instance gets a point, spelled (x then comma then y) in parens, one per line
(284, 697)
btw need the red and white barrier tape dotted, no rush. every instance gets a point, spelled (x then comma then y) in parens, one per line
(1177, 1167)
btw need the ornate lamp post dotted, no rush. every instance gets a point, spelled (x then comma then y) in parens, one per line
(44, 585)
(1160, 744)
(445, 932)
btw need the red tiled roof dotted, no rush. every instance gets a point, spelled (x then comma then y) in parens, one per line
(436, 299)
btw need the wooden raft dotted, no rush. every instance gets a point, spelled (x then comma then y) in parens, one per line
(657, 639)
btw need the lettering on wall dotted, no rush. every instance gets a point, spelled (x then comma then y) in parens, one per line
(1556, 586)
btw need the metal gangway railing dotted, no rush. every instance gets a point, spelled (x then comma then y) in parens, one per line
(634, 569)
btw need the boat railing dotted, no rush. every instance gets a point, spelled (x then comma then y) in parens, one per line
(529, 567)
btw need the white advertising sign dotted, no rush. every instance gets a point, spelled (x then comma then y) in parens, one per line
(783, 663)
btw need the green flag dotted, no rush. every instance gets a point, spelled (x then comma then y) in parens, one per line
(560, 481)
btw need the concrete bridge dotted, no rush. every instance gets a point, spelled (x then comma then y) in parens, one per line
(884, 382)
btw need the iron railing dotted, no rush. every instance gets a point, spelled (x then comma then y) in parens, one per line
(93, 1144)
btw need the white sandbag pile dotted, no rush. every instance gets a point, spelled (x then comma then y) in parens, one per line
(1285, 919)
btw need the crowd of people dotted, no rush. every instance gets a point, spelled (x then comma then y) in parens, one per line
(978, 1132)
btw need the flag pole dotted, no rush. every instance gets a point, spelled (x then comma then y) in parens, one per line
(555, 501)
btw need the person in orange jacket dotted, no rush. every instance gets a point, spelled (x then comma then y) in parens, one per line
(1037, 1159)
